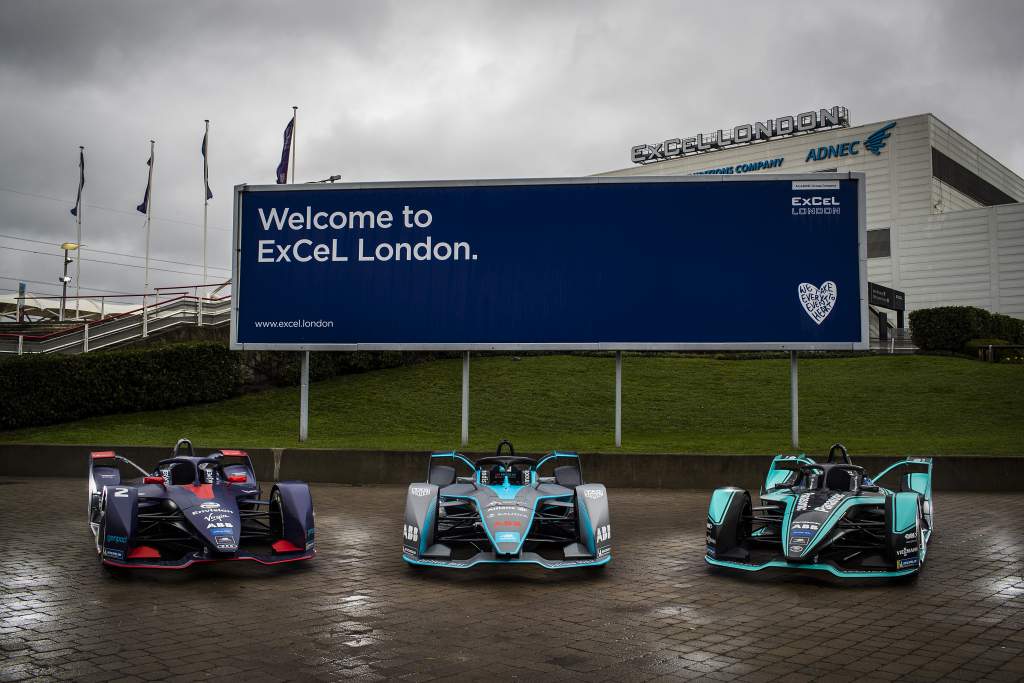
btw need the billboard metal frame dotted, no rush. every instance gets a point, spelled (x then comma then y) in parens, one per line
(860, 345)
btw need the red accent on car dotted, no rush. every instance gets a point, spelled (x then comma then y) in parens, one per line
(96, 455)
(143, 552)
(284, 546)
(237, 478)
(204, 491)
(152, 480)
(229, 451)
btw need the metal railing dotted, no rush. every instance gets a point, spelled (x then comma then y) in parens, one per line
(167, 308)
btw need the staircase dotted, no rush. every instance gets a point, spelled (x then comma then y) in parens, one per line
(147, 320)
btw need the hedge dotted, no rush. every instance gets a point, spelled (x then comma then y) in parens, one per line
(949, 328)
(45, 389)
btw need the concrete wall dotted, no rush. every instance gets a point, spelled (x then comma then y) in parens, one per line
(615, 470)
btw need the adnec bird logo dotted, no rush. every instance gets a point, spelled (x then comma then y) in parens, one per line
(876, 141)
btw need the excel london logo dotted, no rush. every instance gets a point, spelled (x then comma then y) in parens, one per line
(873, 143)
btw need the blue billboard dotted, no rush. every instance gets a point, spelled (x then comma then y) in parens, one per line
(642, 263)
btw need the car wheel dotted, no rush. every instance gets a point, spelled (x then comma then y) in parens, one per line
(276, 515)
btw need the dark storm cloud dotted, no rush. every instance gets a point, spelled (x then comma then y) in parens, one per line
(435, 90)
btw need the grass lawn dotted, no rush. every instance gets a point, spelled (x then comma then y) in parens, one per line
(879, 404)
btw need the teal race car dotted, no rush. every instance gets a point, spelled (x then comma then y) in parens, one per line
(828, 517)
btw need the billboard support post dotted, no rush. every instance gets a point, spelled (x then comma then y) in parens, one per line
(794, 401)
(618, 399)
(465, 398)
(304, 398)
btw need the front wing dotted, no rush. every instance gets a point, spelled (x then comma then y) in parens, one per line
(199, 558)
(522, 558)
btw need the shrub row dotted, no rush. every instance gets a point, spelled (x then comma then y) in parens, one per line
(38, 390)
(45, 389)
(950, 328)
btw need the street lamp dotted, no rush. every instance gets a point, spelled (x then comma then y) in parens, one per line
(65, 278)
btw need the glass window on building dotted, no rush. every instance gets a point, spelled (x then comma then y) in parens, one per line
(878, 243)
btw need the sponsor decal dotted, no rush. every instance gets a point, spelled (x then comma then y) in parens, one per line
(604, 533)
(506, 537)
(217, 516)
(410, 532)
(711, 551)
(111, 538)
(909, 562)
(711, 541)
(507, 522)
(802, 533)
(601, 552)
(408, 551)
(209, 506)
(309, 533)
(836, 498)
(220, 525)
(593, 494)
(803, 501)
(909, 550)
(798, 541)
(113, 554)
(796, 548)
(912, 536)
(224, 542)
(419, 491)
(222, 532)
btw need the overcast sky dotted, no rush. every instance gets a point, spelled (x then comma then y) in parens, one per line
(433, 90)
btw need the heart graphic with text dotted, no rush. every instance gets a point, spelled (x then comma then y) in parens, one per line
(818, 301)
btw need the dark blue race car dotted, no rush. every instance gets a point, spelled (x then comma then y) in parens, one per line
(193, 509)
(506, 509)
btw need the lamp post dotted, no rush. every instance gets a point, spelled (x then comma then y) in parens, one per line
(65, 278)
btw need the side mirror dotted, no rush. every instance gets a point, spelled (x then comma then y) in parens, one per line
(153, 480)
(237, 478)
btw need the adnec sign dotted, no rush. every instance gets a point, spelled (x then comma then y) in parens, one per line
(584, 263)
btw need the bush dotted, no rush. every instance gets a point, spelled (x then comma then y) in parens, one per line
(45, 389)
(951, 328)
(1006, 327)
(948, 328)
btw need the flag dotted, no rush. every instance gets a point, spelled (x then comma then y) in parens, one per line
(206, 166)
(282, 168)
(144, 206)
(81, 180)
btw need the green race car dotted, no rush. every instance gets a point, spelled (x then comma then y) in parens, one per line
(826, 516)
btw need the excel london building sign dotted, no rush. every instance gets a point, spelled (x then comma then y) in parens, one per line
(745, 134)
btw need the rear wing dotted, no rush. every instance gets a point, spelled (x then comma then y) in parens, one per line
(916, 475)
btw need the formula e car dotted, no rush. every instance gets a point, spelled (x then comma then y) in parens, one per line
(193, 509)
(826, 516)
(507, 509)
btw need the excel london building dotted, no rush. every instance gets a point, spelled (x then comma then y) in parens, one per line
(945, 219)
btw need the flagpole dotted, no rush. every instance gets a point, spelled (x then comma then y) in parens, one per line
(206, 198)
(304, 368)
(295, 126)
(149, 210)
(78, 261)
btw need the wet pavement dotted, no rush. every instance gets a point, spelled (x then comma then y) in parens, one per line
(357, 610)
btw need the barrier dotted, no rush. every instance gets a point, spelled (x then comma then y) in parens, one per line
(615, 470)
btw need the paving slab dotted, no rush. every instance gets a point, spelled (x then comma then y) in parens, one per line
(357, 611)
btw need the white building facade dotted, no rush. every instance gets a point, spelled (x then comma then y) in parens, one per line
(945, 220)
